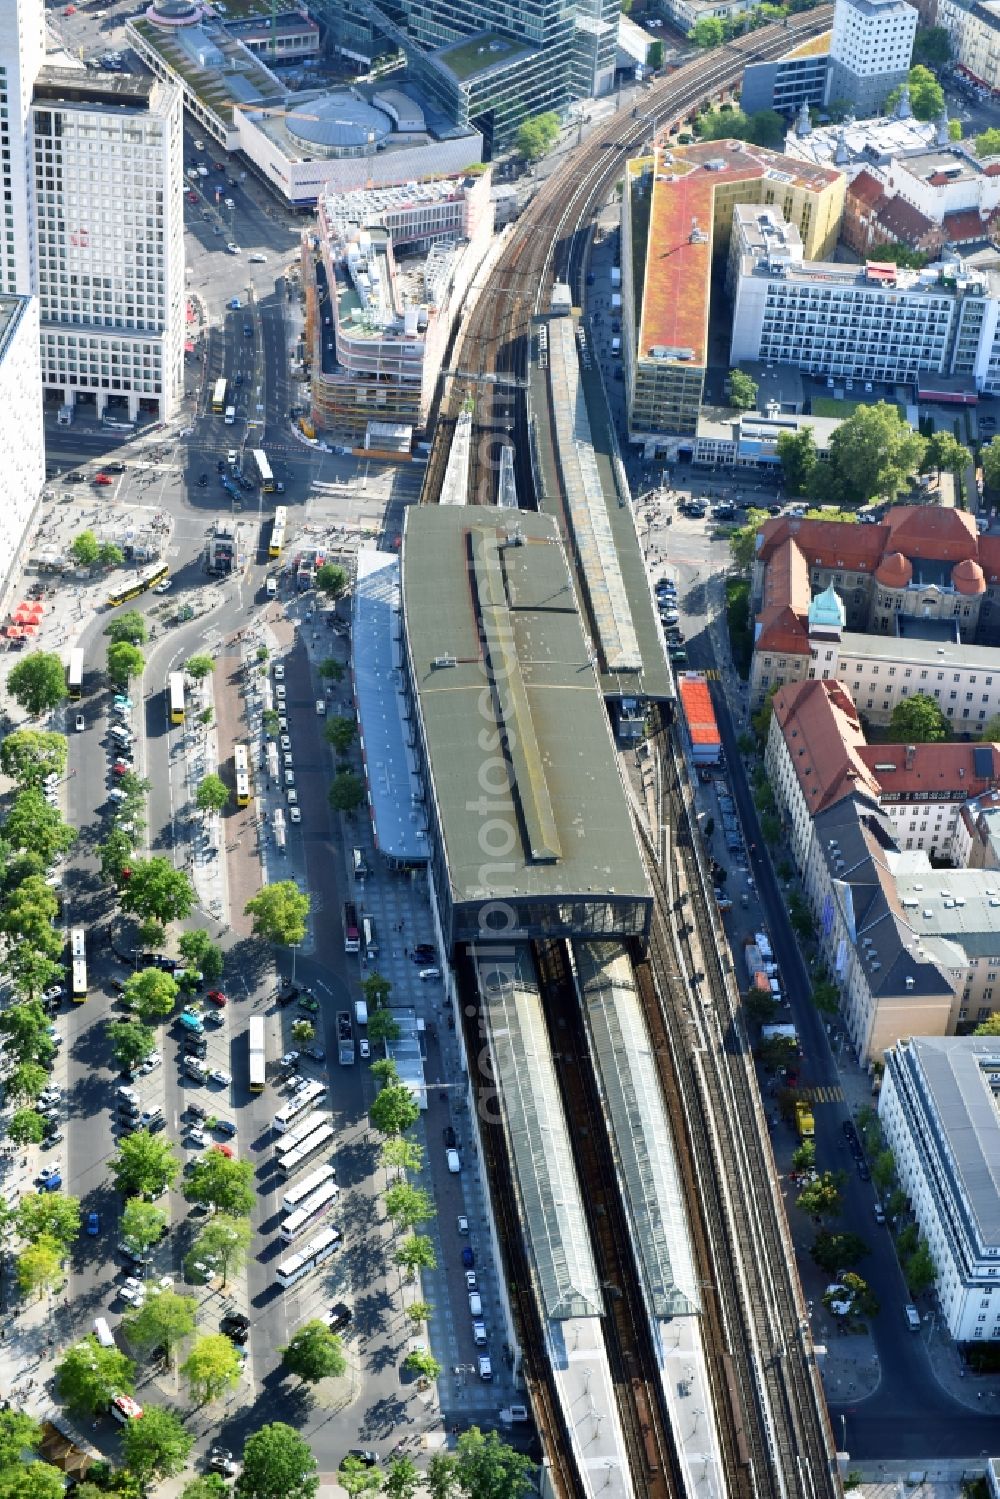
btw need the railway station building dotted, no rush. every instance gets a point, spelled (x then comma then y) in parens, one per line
(530, 833)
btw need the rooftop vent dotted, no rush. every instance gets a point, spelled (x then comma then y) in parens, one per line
(440, 662)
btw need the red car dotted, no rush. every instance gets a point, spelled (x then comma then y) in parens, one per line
(121, 767)
(217, 997)
(226, 1150)
(102, 479)
(192, 197)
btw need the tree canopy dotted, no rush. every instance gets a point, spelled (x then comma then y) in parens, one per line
(130, 626)
(222, 1183)
(537, 136)
(157, 891)
(280, 912)
(742, 390)
(151, 993)
(88, 1375)
(38, 683)
(28, 756)
(212, 794)
(212, 1367)
(125, 661)
(872, 453)
(347, 791)
(798, 458)
(277, 1464)
(988, 142)
(331, 579)
(314, 1353)
(932, 46)
(144, 1165)
(708, 32)
(158, 1446)
(926, 94)
(394, 1110)
(919, 720)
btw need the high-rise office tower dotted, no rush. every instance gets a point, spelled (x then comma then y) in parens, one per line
(22, 441)
(22, 52)
(870, 50)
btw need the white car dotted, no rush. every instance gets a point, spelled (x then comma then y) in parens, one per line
(164, 587)
(286, 741)
(364, 1048)
(233, 249)
(133, 1292)
(282, 724)
(196, 1135)
(470, 1280)
(81, 723)
(218, 1075)
(257, 259)
(294, 813)
(116, 795)
(53, 1169)
(153, 1061)
(290, 1059)
(279, 672)
(279, 692)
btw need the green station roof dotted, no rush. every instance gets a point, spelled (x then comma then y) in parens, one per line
(522, 762)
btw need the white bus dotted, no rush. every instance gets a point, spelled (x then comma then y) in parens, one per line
(78, 958)
(317, 1206)
(175, 694)
(74, 676)
(297, 1266)
(263, 470)
(291, 1161)
(296, 1196)
(304, 1099)
(258, 1060)
(307, 1126)
(370, 937)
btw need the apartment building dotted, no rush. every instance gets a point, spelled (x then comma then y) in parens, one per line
(976, 37)
(108, 157)
(379, 326)
(869, 323)
(938, 1107)
(870, 51)
(677, 215)
(22, 440)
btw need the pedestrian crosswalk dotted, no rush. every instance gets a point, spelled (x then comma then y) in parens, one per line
(824, 1094)
(713, 674)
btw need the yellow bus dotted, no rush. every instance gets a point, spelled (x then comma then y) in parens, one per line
(219, 397)
(263, 471)
(278, 532)
(175, 691)
(78, 958)
(135, 589)
(241, 758)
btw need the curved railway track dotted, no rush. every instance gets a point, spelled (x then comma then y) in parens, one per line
(551, 236)
(761, 1335)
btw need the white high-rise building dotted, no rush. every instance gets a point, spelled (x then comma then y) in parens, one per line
(22, 52)
(108, 155)
(870, 50)
(22, 441)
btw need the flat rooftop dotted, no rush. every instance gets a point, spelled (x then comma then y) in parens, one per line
(499, 658)
(480, 53)
(232, 76)
(71, 86)
(918, 652)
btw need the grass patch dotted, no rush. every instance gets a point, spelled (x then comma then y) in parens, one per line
(827, 406)
(738, 619)
(475, 56)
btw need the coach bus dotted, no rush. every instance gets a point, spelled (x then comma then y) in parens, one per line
(304, 1099)
(297, 1266)
(135, 589)
(291, 1161)
(296, 1196)
(74, 675)
(352, 937)
(219, 397)
(317, 1205)
(301, 1130)
(263, 471)
(175, 691)
(241, 760)
(277, 542)
(257, 1056)
(78, 956)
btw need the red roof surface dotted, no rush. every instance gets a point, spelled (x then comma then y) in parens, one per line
(824, 737)
(783, 619)
(698, 709)
(827, 543)
(989, 557)
(866, 189)
(965, 224)
(907, 770)
(937, 532)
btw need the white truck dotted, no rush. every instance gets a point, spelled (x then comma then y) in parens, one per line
(361, 1011)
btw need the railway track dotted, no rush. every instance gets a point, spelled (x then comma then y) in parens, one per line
(549, 240)
(649, 1441)
(761, 1334)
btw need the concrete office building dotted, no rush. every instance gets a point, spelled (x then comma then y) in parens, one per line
(108, 153)
(870, 51)
(677, 215)
(939, 1112)
(22, 440)
(22, 52)
(798, 78)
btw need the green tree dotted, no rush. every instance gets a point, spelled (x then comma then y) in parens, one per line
(303, 1032)
(990, 1026)
(40, 829)
(26, 1127)
(722, 123)
(821, 1198)
(280, 912)
(144, 1166)
(416, 1253)
(376, 988)
(84, 549)
(804, 1156)
(19, 1433)
(277, 1464)
(864, 1302)
(31, 971)
(932, 46)
(331, 579)
(355, 1477)
(537, 136)
(157, 891)
(26, 1081)
(131, 1042)
(157, 1446)
(115, 854)
(225, 1240)
(946, 454)
(899, 255)
(826, 997)
(743, 541)
(989, 457)
(38, 683)
(340, 731)
(39, 1267)
(125, 662)
(165, 1321)
(33, 1480)
(222, 1183)
(419, 1361)
(926, 94)
(394, 1110)
(208, 1486)
(211, 1368)
(419, 1311)
(136, 789)
(920, 1270)
(777, 1052)
(988, 144)
(382, 1026)
(873, 452)
(907, 1239)
(400, 1154)
(270, 721)
(798, 458)
(442, 1475)
(347, 791)
(212, 794)
(25, 1031)
(883, 1171)
(831, 1251)
(918, 720)
(199, 667)
(385, 1072)
(488, 1466)
(130, 627)
(768, 128)
(331, 670)
(990, 733)
(151, 993)
(760, 1006)
(708, 32)
(110, 555)
(200, 952)
(654, 56)
(48, 1215)
(314, 1353)
(407, 1206)
(142, 1224)
(742, 390)
(28, 756)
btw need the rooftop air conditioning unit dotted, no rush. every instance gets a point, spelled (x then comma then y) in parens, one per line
(439, 662)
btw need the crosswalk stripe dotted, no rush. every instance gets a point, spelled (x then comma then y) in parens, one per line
(834, 1094)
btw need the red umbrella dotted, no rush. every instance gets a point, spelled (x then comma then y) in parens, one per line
(35, 611)
(21, 616)
(29, 629)
(13, 632)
